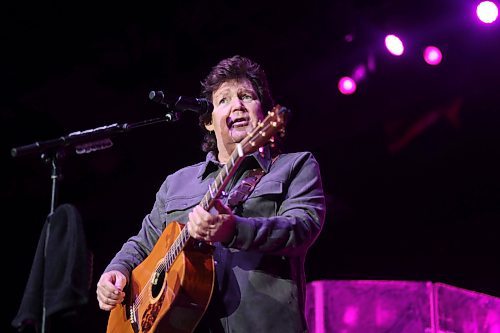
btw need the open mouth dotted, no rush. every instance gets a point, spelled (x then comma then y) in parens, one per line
(237, 122)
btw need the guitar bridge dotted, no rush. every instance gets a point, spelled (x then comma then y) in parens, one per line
(133, 318)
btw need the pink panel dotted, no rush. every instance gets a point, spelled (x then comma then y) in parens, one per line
(461, 310)
(368, 306)
(365, 306)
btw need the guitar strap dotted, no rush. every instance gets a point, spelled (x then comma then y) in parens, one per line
(241, 192)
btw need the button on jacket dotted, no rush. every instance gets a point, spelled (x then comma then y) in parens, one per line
(260, 274)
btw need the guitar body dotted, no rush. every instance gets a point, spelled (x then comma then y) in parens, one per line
(173, 301)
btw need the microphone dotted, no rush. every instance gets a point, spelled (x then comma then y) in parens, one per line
(181, 103)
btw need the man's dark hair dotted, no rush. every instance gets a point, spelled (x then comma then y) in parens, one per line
(234, 68)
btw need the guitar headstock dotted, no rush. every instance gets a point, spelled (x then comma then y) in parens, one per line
(266, 130)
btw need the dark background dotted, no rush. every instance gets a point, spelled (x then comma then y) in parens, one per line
(409, 163)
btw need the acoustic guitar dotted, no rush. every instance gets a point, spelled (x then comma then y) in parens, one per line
(171, 289)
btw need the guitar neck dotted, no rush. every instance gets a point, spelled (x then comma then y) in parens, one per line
(220, 182)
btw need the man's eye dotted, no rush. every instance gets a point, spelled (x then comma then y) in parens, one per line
(222, 100)
(247, 97)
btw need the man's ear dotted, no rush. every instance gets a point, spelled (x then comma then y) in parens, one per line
(210, 126)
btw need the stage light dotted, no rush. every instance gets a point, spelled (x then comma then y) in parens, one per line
(487, 11)
(432, 55)
(359, 73)
(394, 45)
(347, 85)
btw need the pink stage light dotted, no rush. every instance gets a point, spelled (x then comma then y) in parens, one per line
(394, 45)
(432, 55)
(347, 85)
(487, 11)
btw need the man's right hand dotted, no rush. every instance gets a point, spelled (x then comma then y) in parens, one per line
(110, 289)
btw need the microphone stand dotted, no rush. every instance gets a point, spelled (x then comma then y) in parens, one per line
(86, 141)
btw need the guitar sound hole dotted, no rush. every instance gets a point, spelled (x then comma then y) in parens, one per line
(157, 287)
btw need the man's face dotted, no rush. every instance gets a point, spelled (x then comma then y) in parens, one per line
(237, 111)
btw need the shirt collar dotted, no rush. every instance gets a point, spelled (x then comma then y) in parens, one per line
(210, 165)
(262, 156)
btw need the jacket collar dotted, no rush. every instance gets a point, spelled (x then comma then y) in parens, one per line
(262, 157)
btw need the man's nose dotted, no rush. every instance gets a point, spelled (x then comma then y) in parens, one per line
(237, 103)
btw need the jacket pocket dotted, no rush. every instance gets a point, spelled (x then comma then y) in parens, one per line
(178, 208)
(264, 200)
(182, 203)
(270, 187)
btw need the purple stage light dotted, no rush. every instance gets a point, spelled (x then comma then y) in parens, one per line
(487, 12)
(347, 85)
(432, 55)
(359, 73)
(394, 45)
